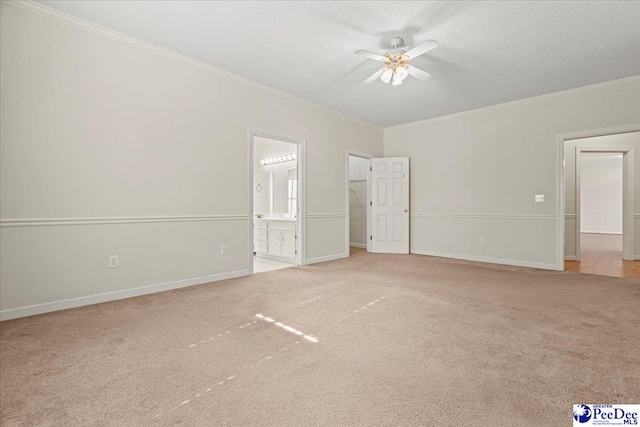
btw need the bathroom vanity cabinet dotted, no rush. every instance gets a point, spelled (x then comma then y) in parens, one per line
(275, 238)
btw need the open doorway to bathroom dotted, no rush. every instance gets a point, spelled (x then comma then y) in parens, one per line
(276, 201)
(358, 218)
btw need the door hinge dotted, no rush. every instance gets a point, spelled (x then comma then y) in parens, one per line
(370, 237)
(296, 252)
(371, 203)
(370, 168)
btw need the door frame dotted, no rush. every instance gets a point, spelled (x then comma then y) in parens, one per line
(367, 156)
(560, 184)
(301, 230)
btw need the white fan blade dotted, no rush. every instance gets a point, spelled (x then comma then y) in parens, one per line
(421, 48)
(418, 73)
(375, 76)
(371, 55)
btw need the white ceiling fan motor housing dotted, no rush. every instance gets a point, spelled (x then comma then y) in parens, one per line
(396, 42)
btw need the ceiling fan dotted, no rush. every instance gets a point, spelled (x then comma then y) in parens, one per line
(396, 62)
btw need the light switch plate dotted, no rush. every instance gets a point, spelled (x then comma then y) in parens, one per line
(539, 198)
(113, 261)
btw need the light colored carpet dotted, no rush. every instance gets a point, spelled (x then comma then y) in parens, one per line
(402, 340)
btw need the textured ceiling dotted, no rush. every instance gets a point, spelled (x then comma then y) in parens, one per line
(489, 53)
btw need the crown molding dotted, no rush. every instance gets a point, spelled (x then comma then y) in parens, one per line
(619, 82)
(73, 21)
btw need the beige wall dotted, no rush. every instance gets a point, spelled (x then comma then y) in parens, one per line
(100, 137)
(475, 174)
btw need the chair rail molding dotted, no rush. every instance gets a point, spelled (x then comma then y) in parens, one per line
(327, 215)
(482, 216)
(42, 222)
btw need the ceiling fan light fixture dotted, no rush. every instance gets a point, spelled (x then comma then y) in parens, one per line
(386, 76)
(396, 62)
(402, 73)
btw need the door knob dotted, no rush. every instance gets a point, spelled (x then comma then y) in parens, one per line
(406, 210)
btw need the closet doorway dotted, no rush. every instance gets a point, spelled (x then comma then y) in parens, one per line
(358, 206)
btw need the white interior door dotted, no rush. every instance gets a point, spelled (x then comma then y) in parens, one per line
(390, 205)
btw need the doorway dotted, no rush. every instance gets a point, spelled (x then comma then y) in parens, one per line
(358, 207)
(386, 205)
(600, 213)
(276, 228)
(599, 209)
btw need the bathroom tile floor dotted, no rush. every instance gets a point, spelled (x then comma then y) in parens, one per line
(260, 265)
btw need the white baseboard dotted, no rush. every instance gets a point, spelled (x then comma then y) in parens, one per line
(47, 307)
(326, 258)
(570, 258)
(490, 260)
(358, 245)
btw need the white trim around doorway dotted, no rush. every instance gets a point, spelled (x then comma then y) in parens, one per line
(302, 190)
(628, 159)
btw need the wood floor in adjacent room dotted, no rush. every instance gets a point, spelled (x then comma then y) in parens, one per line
(401, 340)
(602, 254)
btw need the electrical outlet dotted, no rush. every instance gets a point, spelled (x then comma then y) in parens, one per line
(482, 239)
(113, 261)
(539, 198)
(223, 249)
